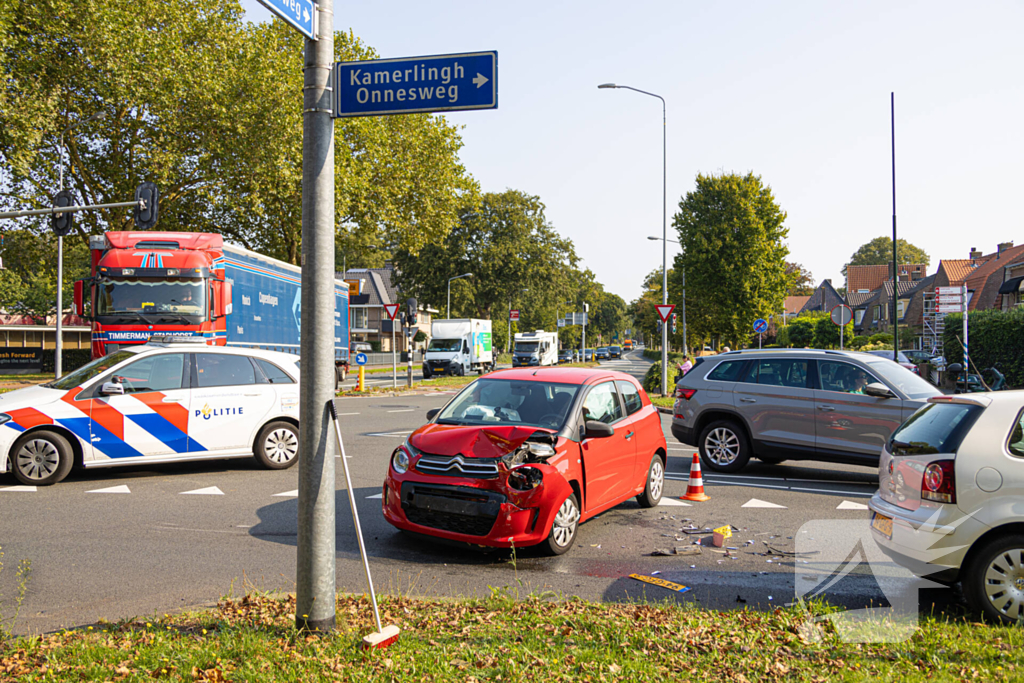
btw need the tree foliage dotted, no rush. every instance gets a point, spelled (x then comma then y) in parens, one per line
(878, 252)
(28, 283)
(734, 256)
(801, 282)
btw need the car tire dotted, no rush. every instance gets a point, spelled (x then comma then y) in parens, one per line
(1001, 601)
(655, 484)
(563, 527)
(41, 458)
(277, 446)
(724, 447)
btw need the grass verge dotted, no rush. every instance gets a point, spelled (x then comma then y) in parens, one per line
(662, 401)
(503, 639)
(443, 382)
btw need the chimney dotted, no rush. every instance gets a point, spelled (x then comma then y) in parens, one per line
(904, 277)
(1003, 246)
(975, 254)
(916, 275)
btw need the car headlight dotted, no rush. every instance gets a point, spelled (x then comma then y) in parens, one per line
(400, 461)
(4, 417)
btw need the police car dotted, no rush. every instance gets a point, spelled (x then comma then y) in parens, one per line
(165, 401)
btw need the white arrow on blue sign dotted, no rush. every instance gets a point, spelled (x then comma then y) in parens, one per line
(299, 13)
(413, 85)
(361, 359)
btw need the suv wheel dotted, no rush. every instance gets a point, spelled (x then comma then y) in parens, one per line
(723, 446)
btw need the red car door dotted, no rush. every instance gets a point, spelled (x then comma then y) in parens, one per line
(608, 462)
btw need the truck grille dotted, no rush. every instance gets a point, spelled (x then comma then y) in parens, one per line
(458, 509)
(457, 466)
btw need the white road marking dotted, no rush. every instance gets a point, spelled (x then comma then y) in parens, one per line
(20, 489)
(287, 494)
(672, 501)
(379, 496)
(208, 491)
(113, 489)
(398, 434)
(755, 503)
(407, 410)
(339, 414)
(848, 505)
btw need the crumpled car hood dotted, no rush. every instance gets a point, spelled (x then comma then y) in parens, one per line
(475, 441)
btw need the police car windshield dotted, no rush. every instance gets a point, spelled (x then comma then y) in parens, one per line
(150, 297)
(511, 402)
(90, 370)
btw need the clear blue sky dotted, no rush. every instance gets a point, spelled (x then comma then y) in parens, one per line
(797, 92)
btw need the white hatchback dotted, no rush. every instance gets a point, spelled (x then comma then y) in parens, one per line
(950, 503)
(165, 401)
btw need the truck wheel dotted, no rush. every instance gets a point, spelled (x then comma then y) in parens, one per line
(426, 372)
(41, 459)
(277, 446)
(459, 371)
(342, 373)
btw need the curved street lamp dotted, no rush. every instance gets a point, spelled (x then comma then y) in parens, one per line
(448, 309)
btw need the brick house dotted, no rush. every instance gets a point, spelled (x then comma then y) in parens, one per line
(368, 319)
(1011, 291)
(825, 298)
(867, 279)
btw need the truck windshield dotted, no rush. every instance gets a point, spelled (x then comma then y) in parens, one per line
(445, 345)
(526, 347)
(148, 296)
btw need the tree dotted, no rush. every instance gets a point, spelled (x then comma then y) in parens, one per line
(734, 258)
(28, 283)
(826, 333)
(801, 280)
(800, 332)
(878, 252)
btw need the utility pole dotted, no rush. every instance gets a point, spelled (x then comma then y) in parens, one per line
(315, 572)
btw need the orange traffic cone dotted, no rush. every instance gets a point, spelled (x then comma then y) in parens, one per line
(695, 487)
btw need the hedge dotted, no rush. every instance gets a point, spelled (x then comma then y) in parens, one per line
(71, 359)
(995, 339)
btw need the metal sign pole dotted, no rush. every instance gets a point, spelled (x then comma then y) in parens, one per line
(963, 304)
(316, 564)
(394, 357)
(841, 334)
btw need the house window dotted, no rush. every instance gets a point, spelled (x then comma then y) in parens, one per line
(863, 291)
(858, 316)
(876, 313)
(901, 308)
(360, 318)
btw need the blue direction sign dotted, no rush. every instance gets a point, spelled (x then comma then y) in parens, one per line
(299, 13)
(760, 325)
(361, 359)
(416, 84)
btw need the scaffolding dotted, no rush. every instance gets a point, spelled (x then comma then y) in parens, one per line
(934, 325)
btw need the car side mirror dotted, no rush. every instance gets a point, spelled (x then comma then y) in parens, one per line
(113, 387)
(954, 367)
(432, 413)
(593, 429)
(878, 390)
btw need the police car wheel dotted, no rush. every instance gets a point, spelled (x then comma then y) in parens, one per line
(277, 446)
(42, 458)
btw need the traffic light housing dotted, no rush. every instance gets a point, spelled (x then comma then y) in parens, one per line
(412, 309)
(63, 223)
(673, 323)
(145, 218)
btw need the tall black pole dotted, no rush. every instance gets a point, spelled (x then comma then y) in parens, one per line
(895, 263)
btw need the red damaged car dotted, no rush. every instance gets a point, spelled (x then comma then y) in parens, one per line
(521, 457)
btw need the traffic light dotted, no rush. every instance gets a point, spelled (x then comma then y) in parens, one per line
(63, 223)
(145, 218)
(412, 308)
(673, 323)
(659, 327)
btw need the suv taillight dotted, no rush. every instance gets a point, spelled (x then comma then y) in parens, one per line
(683, 392)
(939, 482)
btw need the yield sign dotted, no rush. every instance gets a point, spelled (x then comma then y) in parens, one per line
(391, 310)
(665, 311)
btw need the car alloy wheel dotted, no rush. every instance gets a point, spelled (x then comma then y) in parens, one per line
(722, 446)
(657, 479)
(37, 459)
(564, 528)
(281, 446)
(1004, 583)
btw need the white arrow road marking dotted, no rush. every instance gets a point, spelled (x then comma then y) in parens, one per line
(849, 505)
(208, 491)
(379, 496)
(755, 503)
(673, 501)
(287, 494)
(480, 80)
(113, 489)
(398, 434)
(405, 410)
(20, 489)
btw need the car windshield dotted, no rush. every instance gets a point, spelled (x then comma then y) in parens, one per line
(445, 345)
(903, 379)
(616, 348)
(150, 297)
(512, 402)
(888, 354)
(603, 349)
(90, 370)
(936, 428)
(526, 347)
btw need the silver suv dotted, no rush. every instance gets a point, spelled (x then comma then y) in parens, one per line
(806, 404)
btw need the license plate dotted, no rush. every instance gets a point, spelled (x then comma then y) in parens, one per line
(882, 524)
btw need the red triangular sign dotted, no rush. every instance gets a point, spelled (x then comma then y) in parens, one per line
(391, 310)
(665, 311)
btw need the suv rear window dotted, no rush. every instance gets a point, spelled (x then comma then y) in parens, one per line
(936, 428)
(727, 371)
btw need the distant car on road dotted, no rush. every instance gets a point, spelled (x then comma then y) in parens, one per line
(565, 356)
(615, 351)
(521, 457)
(602, 353)
(805, 404)
(165, 401)
(360, 347)
(950, 500)
(904, 361)
(917, 356)
(588, 355)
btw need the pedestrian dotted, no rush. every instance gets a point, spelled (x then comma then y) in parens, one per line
(683, 367)
(726, 349)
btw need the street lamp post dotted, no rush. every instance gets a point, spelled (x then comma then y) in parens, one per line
(664, 223)
(686, 347)
(59, 341)
(448, 308)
